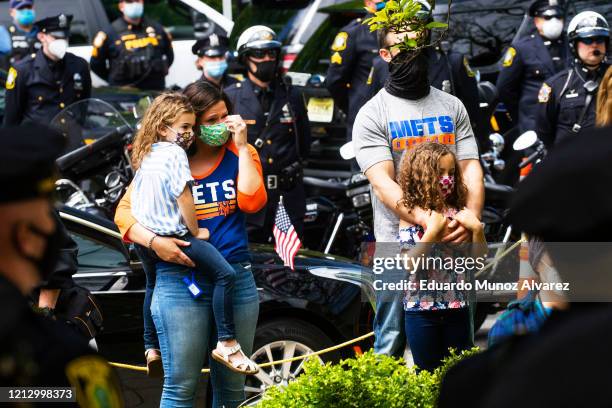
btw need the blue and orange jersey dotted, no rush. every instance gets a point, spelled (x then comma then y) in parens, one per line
(220, 205)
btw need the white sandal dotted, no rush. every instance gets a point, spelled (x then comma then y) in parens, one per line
(222, 353)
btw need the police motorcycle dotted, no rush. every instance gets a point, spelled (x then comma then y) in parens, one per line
(529, 141)
(339, 214)
(95, 169)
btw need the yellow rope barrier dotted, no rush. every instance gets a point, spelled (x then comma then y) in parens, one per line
(287, 360)
(326, 350)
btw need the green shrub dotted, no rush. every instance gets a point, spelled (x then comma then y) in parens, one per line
(369, 380)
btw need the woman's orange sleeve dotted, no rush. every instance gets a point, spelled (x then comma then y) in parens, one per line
(251, 203)
(123, 214)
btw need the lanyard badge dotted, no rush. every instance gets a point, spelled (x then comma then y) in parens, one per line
(192, 286)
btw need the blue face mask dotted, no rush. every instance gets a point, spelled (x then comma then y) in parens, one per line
(215, 69)
(380, 5)
(25, 17)
(133, 10)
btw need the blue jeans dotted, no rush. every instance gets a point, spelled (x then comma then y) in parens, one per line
(186, 331)
(432, 332)
(389, 335)
(210, 262)
(148, 264)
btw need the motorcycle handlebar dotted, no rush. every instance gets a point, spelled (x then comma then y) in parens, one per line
(535, 155)
(70, 159)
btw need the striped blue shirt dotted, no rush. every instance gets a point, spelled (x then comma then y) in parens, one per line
(158, 183)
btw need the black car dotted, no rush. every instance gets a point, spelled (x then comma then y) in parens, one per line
(317, 305)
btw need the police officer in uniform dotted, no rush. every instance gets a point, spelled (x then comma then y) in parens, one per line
(133, 51)
(349, 76)
(567, 100)
(281, 131)
(531, 60)
(40, 86)
(19, 39)
(212, 52)
(36, 351)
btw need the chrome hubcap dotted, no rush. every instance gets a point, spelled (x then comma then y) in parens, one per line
(278, 374)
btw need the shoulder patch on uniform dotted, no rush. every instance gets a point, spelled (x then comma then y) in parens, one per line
(468, 69)
(10, 78)
(509, 57)
(544, 94)
(339, 43)
(336, 58)
(95, 382)
(99, 40)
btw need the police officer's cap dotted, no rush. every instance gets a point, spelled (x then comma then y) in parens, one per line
(28, 156)
(567, 198)
(546, 8)
(212, 46)
(258, 37)
(57, 26)
(17, 4)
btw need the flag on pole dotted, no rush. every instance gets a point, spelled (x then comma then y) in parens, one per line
(287, 241)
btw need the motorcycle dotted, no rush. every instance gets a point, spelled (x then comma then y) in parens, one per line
(530, 140)
(95, 169)
(339, 213)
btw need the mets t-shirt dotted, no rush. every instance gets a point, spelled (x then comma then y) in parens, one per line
(387, 125)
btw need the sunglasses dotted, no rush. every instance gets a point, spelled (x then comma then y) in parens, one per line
(591, 40)
(558, 17)
(263, 53)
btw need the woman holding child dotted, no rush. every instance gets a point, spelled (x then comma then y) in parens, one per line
(226, 184)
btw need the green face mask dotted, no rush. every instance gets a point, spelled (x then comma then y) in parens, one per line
(214, 135)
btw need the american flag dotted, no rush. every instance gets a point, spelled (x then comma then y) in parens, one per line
(287, 241)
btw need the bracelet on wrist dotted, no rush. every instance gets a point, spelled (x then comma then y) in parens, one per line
(150, 246)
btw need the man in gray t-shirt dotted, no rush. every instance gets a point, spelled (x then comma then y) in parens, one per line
(406, 112)
(388, 125)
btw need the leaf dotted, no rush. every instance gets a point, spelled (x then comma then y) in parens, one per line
(436, 24)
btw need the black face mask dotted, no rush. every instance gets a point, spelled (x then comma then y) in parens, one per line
(47, 262)
(408, 75)
(266, 70)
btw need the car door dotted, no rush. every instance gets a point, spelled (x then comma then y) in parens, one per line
(116, 279)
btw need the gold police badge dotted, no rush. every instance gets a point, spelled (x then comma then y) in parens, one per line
(544, 94)
(11, 78)
(339, 43)
(509, 57)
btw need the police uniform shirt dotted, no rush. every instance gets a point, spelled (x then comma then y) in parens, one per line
(19, 44)
(350, 71)
(524, 68)
(227, 80)
(561, 101)
(273, 135)
(133, 55)
(37, 89)
(40, 352)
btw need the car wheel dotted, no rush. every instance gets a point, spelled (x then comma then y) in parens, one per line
(282, 339)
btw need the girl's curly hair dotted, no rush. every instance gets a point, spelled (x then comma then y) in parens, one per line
(164, 111)
(419, 176)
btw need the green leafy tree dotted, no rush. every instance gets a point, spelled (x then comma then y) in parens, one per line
(400, 16)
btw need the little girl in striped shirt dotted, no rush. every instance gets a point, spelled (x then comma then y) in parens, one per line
(163, 203)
